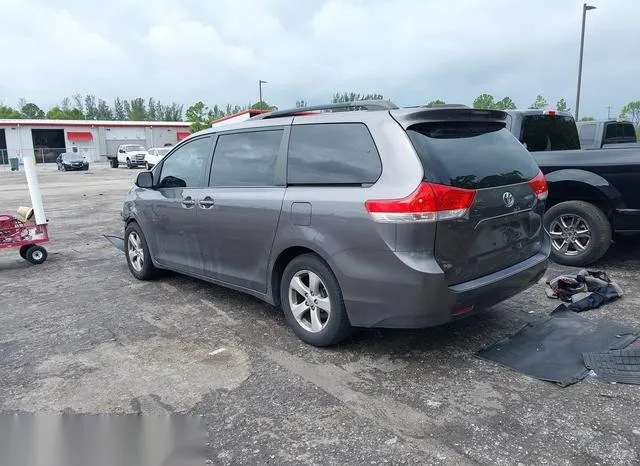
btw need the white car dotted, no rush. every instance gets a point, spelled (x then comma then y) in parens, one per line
(154, 155)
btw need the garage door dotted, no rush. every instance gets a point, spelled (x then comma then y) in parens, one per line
(112, 144)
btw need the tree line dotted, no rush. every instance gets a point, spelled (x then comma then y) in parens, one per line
(89, 107)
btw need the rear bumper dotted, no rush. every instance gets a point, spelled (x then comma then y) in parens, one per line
(411, 292)
(626, 220)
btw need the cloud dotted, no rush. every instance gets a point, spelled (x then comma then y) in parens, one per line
(410, 50)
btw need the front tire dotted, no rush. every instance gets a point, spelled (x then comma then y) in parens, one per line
(137, 252)
(147, 166)
(312, 302)
(36, 254)
(580, 233)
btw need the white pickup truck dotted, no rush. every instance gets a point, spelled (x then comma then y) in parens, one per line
(131, 155)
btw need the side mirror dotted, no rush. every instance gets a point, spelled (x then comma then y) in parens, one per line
(121, 151)
(145, 180)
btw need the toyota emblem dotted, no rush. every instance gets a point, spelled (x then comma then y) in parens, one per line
(508, 199)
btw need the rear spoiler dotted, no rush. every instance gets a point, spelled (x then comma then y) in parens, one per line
(409, 117)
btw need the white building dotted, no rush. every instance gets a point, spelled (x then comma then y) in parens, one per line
(96, 139)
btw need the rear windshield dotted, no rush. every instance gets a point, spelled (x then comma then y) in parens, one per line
(619, 133)
(549, 132)
(471, 155)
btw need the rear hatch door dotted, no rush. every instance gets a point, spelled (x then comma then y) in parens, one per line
(503, 225)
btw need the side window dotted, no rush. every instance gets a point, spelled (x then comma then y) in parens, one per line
(332, 153)
(587, 133)
(246, 159)
(187, 166)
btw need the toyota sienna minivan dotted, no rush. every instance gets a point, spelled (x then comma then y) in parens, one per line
(377, 216)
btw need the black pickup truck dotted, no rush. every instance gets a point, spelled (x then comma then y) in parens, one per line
(594, 195)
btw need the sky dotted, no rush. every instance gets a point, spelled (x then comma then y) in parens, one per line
(411, 51)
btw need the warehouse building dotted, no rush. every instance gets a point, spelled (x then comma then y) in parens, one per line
(46, 139)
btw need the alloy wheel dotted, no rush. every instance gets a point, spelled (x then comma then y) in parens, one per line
(309, 301)
(570, 234)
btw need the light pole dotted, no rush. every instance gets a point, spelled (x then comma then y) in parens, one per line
(585, 8)
(260, 83)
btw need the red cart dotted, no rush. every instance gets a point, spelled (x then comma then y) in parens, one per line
(14, 233)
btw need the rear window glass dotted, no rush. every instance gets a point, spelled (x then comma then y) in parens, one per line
(549, 132)
(471, 155)
(332, 153)
(619, 132)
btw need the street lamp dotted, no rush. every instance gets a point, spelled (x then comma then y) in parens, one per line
(585, 8)
(260, 83)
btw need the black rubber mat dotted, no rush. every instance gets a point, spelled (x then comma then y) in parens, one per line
(552, 348)
(621, 366)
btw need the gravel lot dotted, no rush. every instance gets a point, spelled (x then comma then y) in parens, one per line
(78, 333)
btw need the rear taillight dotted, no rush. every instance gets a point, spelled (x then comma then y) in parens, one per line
(429, 203)
(539, 186)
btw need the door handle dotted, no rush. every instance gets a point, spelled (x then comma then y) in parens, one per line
(206, 203)
(188, 202)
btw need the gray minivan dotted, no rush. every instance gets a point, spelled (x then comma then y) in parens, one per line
(376, 217)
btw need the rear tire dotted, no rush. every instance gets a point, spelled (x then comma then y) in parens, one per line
(308, 274)
(114, 163)
(137, 252)
(36, 254)
(580, 233)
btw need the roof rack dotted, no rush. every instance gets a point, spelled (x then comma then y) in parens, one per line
(357, 104)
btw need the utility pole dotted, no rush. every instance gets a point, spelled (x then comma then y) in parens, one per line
(585, 8)
(260, 83)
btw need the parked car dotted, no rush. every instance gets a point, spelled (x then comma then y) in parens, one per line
(385, 217)
(600, 134)
(593, 195)
(72, 161)
(131, 155)
(154, 155)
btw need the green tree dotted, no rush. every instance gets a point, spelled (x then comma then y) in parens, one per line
(505, 104)
(198, 116)
(587, 118)
(103, 111)
(9, 113)
(151, 110)
(127, 109)
(138, 110)
(173, 112)
(484, 101)
(343, 97)
(59, 113)
(433, 103)
(262, 106)
(32, 111)
(78, 102)
(90, 107)
(118, 110)
(539, 103)
(562, 106)
(631, 111)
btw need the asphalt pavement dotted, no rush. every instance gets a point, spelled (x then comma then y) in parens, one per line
(79, 334)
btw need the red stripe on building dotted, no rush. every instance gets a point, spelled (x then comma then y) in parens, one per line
(79, 136)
